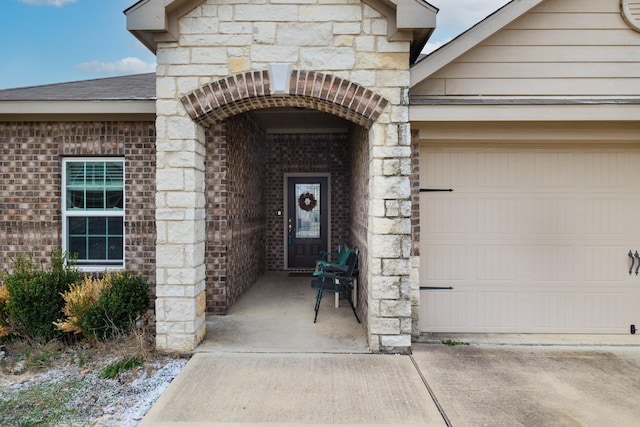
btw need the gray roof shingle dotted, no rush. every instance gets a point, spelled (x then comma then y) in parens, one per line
(122, 88)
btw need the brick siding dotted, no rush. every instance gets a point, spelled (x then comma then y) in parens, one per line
(30, 188)
(306, 153)
(359, 179)
(236, 194)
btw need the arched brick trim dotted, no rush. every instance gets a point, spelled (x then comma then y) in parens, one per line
(240, 93)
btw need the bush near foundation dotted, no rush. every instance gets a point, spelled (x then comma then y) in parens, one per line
(100, 308)
(33, 296)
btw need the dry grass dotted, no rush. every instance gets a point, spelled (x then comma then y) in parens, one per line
(58, 383)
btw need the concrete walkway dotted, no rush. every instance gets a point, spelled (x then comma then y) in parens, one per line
(266, 364)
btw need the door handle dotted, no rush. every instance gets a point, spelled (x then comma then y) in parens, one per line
(638, 265)
(632, 261)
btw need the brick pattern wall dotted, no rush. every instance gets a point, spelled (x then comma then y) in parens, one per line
(31, 181)
(244, 92)
(307, 153)
(359, 218)
(235, 210)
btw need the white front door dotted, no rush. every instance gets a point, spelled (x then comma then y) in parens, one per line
(530, 240)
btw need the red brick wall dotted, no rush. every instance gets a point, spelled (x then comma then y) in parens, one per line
(31, 180)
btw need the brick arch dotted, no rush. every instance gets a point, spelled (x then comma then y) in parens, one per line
(240, 93)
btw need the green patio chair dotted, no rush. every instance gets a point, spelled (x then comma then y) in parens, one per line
(333, 258)
(338, 279)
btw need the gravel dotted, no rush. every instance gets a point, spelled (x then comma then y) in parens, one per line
(95, 401)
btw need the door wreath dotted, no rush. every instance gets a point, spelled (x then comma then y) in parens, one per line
(307, 202)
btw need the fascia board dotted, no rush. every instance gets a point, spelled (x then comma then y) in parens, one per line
(415, 14)
(153, 20)
(530, 113)
(77, 107)
(405, 14)
(469, 39)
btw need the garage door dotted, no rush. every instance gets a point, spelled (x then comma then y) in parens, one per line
(530, 240)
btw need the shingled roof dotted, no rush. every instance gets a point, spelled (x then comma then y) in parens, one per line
(140, 87)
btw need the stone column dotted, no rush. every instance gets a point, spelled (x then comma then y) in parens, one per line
(180, 222)
(389, 314)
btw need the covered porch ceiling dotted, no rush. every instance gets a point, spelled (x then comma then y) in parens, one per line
(299, 120)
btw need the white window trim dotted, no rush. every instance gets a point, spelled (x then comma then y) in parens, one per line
(65, 214)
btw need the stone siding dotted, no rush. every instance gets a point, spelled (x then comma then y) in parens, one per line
(31, 181)
(341, 41)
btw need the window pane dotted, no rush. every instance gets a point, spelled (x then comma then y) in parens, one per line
(75, 173)
(95, 200)
(77, 225)
(307, 211)
(115, 248)
(98, 226)
(95, 187)
(114, 175)
(78, 247)
(114, 200)
(115, 226)
(75, 199)
(97, 248)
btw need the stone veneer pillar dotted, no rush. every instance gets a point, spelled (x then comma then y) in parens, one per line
(180, 223)
(389, 239)
(225, 46)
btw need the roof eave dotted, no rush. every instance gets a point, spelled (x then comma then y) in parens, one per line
(151, 21)
(469, 39)
(33, 108)
(408, 20)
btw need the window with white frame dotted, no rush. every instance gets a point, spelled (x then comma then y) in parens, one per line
(93, 210)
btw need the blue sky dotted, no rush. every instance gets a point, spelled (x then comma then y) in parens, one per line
(53, 41)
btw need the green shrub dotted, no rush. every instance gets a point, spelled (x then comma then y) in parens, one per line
(35, 295)
(4, 316)
(112, 371)
(122, 300)
(78, 301)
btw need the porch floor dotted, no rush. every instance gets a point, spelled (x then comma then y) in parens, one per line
(276, 316)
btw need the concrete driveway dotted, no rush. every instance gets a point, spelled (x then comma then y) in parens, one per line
(267, 364)
(533, 385)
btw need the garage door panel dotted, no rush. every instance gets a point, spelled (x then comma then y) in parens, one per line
(554, 310)
(531, 240)
(554, 263)
(496, 215)
(496, 171)
(555, 215)
(445, 262)
(558, 170)
(606, 170)
(500, 310)
(445, 215)
(606, 310)
(442, 311)
(604, 216)
(605, 264)
(496, 262)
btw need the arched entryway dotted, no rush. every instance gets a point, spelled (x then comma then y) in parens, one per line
(256, 137)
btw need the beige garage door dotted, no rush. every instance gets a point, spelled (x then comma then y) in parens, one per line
(530, 240)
